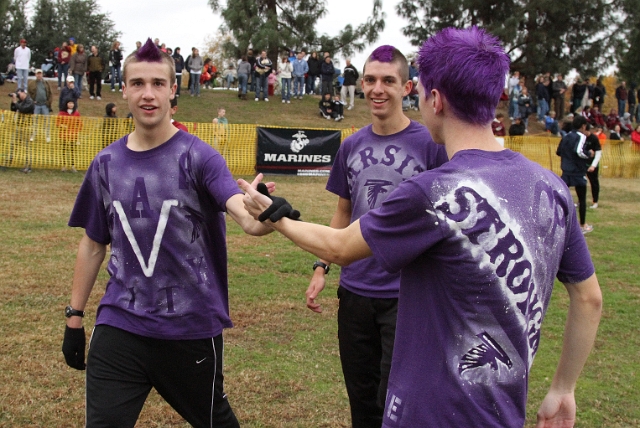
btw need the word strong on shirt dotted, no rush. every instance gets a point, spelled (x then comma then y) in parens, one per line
(498, 245)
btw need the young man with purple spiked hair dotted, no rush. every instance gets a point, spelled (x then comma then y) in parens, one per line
(478, 242)
(368, 166)
(158, 197)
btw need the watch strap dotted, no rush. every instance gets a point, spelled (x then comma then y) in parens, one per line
(70, 312)
(324, 266)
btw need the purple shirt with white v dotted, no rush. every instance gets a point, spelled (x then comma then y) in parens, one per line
(478, 242)
(162, 211)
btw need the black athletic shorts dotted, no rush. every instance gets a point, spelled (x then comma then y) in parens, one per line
(123, 367)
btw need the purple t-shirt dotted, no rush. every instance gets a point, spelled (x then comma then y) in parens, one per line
(478, 242)
(162, 211)
(367, 168)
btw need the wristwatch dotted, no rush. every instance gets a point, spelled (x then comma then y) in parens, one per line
(70, 312)
(318, 264)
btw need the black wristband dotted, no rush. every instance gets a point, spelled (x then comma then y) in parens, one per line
(324, 266)
(70, 312)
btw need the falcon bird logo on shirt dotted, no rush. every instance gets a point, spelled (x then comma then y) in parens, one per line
(376, 188)
(488, 352)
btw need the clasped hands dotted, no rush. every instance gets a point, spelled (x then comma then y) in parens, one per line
(261, 205)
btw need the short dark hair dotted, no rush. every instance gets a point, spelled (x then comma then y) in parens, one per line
(579, 122)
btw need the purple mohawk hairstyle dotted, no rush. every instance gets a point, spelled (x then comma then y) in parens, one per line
(149, 52)
(382, 53)
(468, 66)
(388, 54)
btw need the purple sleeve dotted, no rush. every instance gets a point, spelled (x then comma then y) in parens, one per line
(218, 180)
(404, 227)
(575, 265)
(88, 210)
(338, 182)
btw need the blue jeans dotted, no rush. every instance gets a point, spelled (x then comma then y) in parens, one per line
(63, 69)
(621, 105)
(230, 80)
(286, 86)
(115, 71)
(513, 109)
(23, 75)
(254, 81)
(41, 111)
(298, 86)
(242, 83)
(311, 84)
(262, 85)
(78, 79)
(195, 83)
(543, 108)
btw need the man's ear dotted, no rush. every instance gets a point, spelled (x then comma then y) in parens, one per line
(437, 102)
(408, 86)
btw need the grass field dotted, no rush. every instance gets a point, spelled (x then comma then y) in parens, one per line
(282, 362)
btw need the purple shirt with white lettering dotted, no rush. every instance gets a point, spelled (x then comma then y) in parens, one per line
(478, 243)
(162, 211)
(367, 168)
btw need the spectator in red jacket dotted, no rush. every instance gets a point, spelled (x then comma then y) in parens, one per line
(70, 125)
(635, 138)
(612, 119)
(596, 115)
(498, 127)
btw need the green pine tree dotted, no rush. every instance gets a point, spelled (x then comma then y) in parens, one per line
(13, 27)
(539, 35)
(283, 25)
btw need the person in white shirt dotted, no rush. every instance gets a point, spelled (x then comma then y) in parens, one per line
(22, 57)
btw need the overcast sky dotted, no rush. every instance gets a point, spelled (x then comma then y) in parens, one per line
(188, 23)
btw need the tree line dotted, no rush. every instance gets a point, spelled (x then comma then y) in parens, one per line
(539, 35)
(51, 23)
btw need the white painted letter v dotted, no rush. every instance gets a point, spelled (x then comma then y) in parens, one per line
(157, 239)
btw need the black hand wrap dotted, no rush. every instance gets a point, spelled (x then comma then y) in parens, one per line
(278, 209)
(73, 347)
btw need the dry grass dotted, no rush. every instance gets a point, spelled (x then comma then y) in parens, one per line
(282, 361)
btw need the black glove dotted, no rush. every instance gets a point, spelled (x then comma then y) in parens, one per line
(279, 207)
(73, 347)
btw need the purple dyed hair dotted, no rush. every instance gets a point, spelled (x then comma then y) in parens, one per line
(382, 53)
(388, 53)
(470, 75)
(149, 52)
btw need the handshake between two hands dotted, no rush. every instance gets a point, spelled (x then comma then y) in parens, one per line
(262, 206)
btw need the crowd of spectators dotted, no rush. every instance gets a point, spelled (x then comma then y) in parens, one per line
(77, 69)
(586, 98)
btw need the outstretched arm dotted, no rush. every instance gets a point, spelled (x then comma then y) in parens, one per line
(236, 210)
(339, 246)
(340, 220)
(558, 409)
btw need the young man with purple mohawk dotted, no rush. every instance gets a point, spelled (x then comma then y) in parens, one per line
(158, 197)
(368, 166)
(478, 242)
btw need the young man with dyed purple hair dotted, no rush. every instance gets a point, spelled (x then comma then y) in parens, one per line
(479, 242)
(368, 166)
(158, 197)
